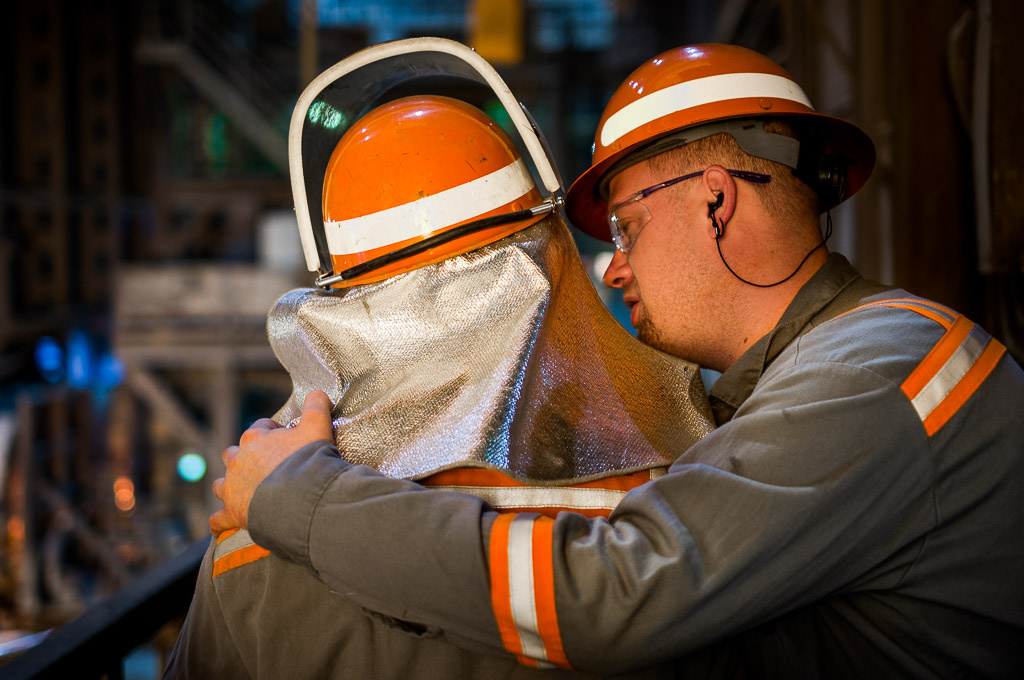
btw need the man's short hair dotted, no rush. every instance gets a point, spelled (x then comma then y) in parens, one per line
(785, 197)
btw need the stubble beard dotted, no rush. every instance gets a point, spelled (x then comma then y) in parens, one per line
(649, 334)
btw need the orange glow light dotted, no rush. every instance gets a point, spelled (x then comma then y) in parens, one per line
(16, 529)
(124, 494)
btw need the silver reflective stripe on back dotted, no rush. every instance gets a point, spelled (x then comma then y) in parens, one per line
(236, 541)
(500, 497)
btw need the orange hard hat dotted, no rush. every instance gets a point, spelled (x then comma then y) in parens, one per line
(414, 168)
(700, 85)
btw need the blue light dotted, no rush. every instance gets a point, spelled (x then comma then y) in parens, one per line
(191, 467)
(79, 359)
(50, 359)
(109, 371)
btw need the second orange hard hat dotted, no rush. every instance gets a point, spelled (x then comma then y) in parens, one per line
(413, 168)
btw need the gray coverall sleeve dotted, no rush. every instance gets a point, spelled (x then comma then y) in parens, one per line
(205, 648)
(801, 495)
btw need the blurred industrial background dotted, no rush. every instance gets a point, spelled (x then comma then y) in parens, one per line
(146, 226)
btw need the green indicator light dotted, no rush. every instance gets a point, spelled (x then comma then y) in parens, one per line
(325, 115)
(191, 467)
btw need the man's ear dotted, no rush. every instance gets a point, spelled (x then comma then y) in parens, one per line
(719, 190)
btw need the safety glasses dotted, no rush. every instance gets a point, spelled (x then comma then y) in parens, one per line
(627, 218)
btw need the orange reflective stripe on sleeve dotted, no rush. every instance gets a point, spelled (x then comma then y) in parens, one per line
(937, 358)
(234, 549)
(951, 373)
(544, 593)
(501, 599)
(522, 589)
(953, 369)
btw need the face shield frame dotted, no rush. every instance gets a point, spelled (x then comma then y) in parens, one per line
(339, 96)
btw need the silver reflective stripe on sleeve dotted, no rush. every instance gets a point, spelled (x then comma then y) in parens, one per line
(520, 576)
(951, 373)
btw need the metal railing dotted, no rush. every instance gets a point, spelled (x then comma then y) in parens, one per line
(95, 644)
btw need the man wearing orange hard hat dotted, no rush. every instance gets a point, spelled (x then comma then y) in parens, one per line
(856, 511)
(455, 334)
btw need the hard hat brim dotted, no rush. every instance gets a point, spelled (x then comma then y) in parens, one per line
(587, 209)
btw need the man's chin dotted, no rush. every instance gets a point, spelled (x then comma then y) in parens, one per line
(648, 334)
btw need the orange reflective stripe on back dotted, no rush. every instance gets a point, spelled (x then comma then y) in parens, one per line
(523, 591)
(596, 498)
(235, 548)
(478, 476)
(936, 312)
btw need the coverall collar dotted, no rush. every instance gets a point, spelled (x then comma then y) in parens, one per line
(834, 289)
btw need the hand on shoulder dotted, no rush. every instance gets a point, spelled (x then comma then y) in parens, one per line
(263, 447)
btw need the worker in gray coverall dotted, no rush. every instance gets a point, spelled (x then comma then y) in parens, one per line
(856, 513)
(458, 368)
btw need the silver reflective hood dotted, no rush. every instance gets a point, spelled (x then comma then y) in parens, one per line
(503, 358)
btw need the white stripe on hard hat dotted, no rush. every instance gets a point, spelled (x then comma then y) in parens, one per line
(430, 213)
(694, 93)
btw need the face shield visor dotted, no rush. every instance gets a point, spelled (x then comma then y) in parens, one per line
(339, 98)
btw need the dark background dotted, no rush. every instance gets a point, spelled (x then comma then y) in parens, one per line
(145, 215)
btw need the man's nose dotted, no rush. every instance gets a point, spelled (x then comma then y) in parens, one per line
(618, 271)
